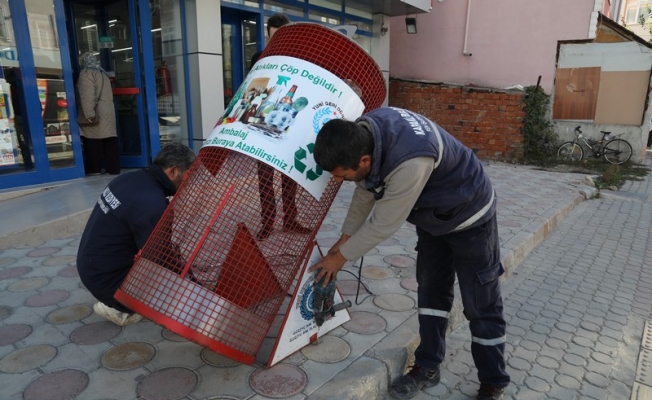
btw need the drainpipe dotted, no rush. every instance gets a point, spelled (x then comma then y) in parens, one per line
(466, 29)
(616, 12)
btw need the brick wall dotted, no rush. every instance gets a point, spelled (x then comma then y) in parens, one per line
(486, 120)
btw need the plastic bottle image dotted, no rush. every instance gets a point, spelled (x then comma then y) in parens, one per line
(273, 97)
(284, 113)
(255, 107)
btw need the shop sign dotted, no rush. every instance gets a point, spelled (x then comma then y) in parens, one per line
(8, 54)
(55, 139)
(106, 42)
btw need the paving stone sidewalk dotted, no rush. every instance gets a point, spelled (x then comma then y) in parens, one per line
(52, 346)
(578, 310)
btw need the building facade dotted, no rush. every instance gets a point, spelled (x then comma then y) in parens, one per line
(635, 16)
(494, 44)
(173, 64)
(466, 63)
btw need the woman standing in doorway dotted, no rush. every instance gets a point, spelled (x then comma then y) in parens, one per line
(95, 98)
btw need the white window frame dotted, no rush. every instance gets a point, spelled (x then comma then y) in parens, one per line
(641, 8)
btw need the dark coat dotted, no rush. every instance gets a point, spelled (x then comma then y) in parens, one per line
(119, 225)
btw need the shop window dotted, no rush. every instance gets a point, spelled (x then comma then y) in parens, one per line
(279, 7)
(169, 70)
(16, 150)
(330, 4)
(3, 24)
(324, 17)
(49, 73)
(358, 12)
(242, 2)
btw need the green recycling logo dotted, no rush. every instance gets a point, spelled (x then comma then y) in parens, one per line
(300, 159)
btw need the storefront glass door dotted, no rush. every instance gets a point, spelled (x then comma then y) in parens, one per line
(169, 65)
(140, 43)
(37, 144)
(239, 43)
(107, 29)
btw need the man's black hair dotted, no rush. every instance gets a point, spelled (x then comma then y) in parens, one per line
(174, 154)
(342, 143)
(276, 21)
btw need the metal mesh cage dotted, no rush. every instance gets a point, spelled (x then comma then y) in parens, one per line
(334, 52)
(221, 260)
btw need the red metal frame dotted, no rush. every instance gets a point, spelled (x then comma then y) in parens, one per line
(219, 264)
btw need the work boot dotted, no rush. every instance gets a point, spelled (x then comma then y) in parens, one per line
(265, 231)
(117, 317)
(489, 392)
(411, 383)
(291, 225)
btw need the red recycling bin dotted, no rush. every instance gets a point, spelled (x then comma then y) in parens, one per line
(220, 262)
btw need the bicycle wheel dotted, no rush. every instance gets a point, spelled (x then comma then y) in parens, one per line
(617, 151)
(570, 151)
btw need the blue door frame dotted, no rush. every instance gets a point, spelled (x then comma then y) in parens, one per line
(146, 104)
(233, 17)
(147, 112)
(146, 135)
(146, 118)
(28, 91)
(141, 157)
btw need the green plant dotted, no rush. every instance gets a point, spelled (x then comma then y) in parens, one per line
(613, 176)
(645, 22)
(539, 137)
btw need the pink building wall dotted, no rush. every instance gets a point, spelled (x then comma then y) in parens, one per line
(512, 42)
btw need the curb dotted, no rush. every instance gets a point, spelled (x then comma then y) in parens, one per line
(65, 226)
(517, 248)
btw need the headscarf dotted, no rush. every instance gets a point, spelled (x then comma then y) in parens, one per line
(88, 60)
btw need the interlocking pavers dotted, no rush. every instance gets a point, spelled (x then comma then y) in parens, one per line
(65, 384)
(587, 277)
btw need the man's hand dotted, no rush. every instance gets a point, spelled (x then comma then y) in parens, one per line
(329, 266)
(332, 263)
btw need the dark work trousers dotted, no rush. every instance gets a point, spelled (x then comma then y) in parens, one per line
(267, 196)
(98, 150)
(474, 255)
(103, 287)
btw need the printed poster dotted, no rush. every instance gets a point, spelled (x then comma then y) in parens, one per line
(299, 324)
(42, 85)
(7, 145)
(7, 133)
(277, 112)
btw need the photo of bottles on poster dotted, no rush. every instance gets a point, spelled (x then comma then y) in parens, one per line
(269, 109)
(277, 112)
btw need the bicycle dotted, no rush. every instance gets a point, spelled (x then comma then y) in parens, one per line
(614, 150)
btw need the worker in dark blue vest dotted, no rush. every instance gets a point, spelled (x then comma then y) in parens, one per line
(121, 222)
(406, 167)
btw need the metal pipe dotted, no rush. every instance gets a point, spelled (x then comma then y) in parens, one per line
(616, 11)
(466, 29)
